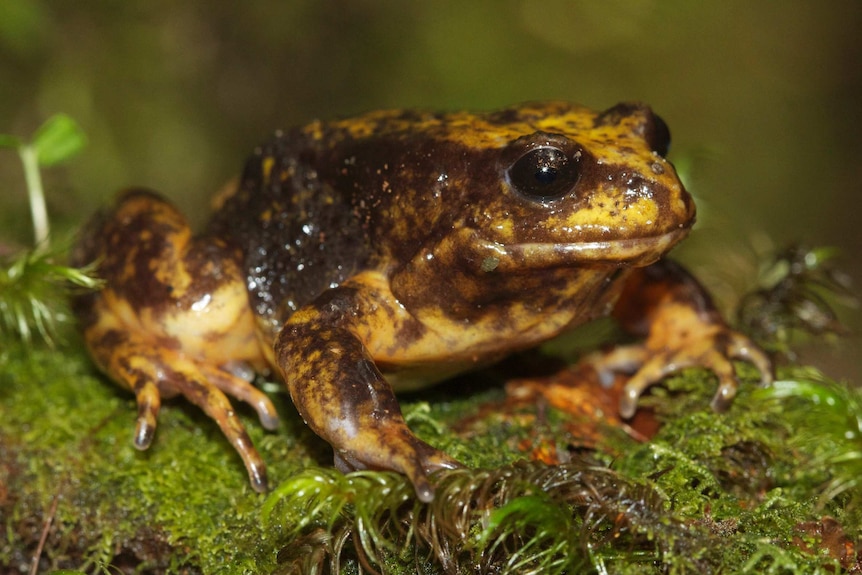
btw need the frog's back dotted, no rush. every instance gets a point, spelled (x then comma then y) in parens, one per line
(318, 204)
(297, 233)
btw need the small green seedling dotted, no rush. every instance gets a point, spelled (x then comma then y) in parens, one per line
(32, 285)
(56, 141)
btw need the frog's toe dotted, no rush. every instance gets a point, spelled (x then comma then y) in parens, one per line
(715, 351)
(218, 407)
(426, 461)
(718, 362)
(623, 358)
(240, 388)
(654, 369)
(149, 401)
(192, 382)
(404, 453)
(742, 348)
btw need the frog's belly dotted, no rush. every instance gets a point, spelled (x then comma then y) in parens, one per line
(407, 377)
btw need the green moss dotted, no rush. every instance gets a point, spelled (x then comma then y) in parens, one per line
(66, 433)
(743, 490)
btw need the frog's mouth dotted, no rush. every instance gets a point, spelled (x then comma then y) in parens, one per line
(639, 251)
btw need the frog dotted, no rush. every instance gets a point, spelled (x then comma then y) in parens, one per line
(362, 257)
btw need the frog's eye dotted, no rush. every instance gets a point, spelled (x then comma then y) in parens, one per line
(544, 173)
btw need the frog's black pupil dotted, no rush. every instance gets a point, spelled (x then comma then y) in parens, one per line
(544, 173)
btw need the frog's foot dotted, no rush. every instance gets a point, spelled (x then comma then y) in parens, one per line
(156, 373)
(394, 447)
(699, 343)
(153, 375)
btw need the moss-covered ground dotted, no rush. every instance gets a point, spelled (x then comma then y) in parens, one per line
(771, 486)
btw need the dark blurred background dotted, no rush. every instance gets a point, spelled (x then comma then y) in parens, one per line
(763, 98)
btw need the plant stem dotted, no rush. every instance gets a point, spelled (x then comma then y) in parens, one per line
(38, 210)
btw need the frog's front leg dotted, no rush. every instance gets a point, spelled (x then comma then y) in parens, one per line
(172, 319)
(682, 328)
(325, 353)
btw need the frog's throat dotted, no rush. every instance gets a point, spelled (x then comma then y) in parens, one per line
(638, 251)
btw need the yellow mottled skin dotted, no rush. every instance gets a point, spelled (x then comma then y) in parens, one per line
(391, 250)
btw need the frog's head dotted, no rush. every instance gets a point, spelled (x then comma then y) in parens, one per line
(552, 200)
(569, 186)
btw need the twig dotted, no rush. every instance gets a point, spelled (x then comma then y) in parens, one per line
(34, 567)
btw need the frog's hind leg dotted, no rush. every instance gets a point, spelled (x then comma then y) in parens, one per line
(173, 319)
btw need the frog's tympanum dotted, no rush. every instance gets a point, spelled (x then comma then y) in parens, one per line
(361, 257)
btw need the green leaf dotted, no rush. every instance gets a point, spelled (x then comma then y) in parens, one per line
(58, 139)
(7, 141)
